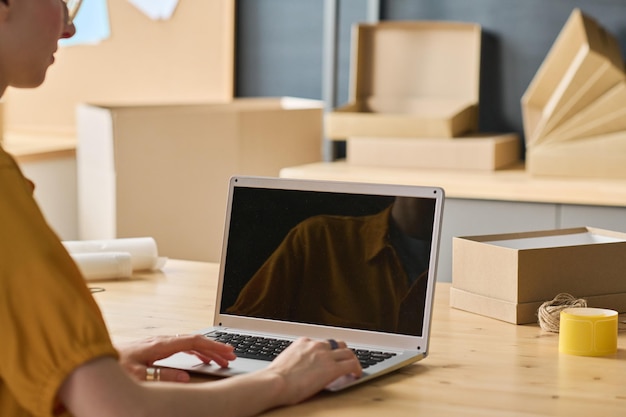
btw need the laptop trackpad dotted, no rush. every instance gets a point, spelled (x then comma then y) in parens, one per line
(341, 382)
(191, 363)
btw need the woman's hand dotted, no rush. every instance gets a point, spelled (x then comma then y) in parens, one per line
(136, 357)
(308, 366)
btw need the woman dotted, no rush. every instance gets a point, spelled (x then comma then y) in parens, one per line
(56, 357)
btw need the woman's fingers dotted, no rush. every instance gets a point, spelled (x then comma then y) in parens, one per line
(137, 357)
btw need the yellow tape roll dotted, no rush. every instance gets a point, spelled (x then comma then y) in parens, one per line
(588, 331)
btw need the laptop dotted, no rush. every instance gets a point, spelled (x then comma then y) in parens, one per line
(327, 260)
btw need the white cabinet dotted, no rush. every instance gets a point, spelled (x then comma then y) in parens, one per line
(55, 192)
(611, 218)
(50, 163)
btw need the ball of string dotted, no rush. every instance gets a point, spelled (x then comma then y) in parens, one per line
(549, 313)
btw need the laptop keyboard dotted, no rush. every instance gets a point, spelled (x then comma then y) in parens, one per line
(266, 349)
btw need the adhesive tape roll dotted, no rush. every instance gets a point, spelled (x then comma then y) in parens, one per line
(588, 331)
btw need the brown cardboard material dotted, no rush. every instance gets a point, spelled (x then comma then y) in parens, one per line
(509, 276)
(411, 79)
(485, 152)
(163, 170)
(189, 58)
(584, 62)
(605, 115)
(594, 157)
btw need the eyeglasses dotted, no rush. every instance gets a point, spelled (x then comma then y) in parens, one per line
(72, 9)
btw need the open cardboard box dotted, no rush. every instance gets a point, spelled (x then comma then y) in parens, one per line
(481, 151)
(163, 170)
(509, 276)
(584, 62)
(411, 79)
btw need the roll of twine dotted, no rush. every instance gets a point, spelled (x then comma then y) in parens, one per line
(549, 313)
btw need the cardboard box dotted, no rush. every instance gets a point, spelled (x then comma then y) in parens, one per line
(509, 276)
(595, 157)
(189, 57)
(486, 152)
(584, 62)
(163, 170)
(411, 79)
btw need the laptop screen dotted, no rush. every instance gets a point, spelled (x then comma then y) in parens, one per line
(330, 258)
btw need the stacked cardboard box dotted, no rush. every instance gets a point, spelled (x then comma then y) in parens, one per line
(574, 108)
(509, 276)
(414, 92)
(162, 170)
(484, 152)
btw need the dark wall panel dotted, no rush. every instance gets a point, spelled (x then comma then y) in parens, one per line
(279, 48)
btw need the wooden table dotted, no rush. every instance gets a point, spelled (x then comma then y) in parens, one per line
(477, 366)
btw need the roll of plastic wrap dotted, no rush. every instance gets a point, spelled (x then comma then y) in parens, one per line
(105, 265)
(143, 250)
(588, 331)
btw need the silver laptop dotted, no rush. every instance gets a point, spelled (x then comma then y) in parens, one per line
(326, 260)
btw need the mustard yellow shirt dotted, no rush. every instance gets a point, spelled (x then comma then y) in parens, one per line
(351, 258)
(49, 322)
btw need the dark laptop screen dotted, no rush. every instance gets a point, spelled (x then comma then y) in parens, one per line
(329, 258)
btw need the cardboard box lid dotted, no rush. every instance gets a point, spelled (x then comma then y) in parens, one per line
(522, 313)
(510, 312)
(415, 59)
(444, 119)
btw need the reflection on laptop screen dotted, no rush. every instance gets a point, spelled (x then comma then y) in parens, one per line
(348, 260)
